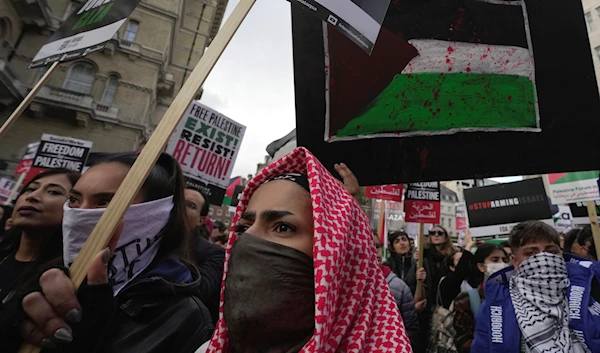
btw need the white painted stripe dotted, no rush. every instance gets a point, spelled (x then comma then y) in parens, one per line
(503, 2)
(500, 229)
(355, 16)
(91, 38)
(460, 57)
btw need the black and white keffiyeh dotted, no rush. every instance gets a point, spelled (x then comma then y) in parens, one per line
(539, 295)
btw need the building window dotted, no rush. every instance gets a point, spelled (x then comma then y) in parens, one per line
(210, 212)
(80, 78)
(110, 90)
(589, 21)
(131, 32)
(443, 221)
(219, 212)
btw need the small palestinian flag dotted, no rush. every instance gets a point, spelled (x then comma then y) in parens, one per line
(231, 192)
(440, 66)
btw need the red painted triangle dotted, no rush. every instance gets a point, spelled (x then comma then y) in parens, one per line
(554, 177)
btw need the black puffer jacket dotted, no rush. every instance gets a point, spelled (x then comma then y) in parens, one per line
(405, 267)
(159, 312)
(210, 260)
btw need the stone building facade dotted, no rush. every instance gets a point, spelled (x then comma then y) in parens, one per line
(115, 97)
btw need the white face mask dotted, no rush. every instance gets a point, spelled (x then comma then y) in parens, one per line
(137, 246)
(492, 268)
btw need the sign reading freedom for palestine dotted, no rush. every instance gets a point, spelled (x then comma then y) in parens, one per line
(86, 31)
(423, 203)
(206, 145)
(59, 152)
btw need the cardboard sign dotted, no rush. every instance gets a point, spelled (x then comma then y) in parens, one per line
(423, 202)
(461, 216)
(206, 145)
(358, 20)
(426, 79)
(385, 192)
(25, 163)
(59, 152)
(580, 213)
(86, 31)
(495, 210)
(6, 186)
(573, 187)
(563, 219)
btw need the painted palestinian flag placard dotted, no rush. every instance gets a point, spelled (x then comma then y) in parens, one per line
(444, 67)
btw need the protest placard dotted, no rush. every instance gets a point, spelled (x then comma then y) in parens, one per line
(580, 214)
(385, 192)
(573, 187)
(358, 20)
(86, 31)
(6, 187)
(422, 204)
(59, 152)
(496, 209)
(25, 163)
(425, 79)
(563, 219)
(462, 222)
(206, 144)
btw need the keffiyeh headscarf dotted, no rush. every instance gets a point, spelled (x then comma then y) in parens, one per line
(538, 292)
(354, 309)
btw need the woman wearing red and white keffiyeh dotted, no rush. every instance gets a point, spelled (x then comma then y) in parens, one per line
(301, 272)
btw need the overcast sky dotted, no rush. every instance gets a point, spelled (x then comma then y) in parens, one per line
(253, 82)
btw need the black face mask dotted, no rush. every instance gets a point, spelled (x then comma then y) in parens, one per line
(269, 303)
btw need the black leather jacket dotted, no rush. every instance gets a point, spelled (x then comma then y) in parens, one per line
(158, 312)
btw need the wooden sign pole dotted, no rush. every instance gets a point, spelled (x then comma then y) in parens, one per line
(419, 291)
(28, 98)
(107, 224)
(591, 207)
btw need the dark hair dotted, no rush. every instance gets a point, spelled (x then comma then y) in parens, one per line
(8, 210)
(505, 244)
(581, 236)
(393, 236)
(449, 261)
(164, 180)
(483, 252)
(532, 231)
(51, 250)
(220, 226)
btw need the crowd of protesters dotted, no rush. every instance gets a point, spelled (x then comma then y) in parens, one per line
(300, 271)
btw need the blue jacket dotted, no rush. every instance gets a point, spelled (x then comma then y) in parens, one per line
(496, 327)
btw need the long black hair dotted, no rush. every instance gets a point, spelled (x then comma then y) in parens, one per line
(165, 179)
(581, 236)
(51, 250)
(482, 253)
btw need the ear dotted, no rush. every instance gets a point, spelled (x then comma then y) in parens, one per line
(513, 260)
(201, 221)
(481, 267)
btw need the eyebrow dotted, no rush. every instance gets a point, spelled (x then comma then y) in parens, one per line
(268, 215)
(57, 186)
(98, 195)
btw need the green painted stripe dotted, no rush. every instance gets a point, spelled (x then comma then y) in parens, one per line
(442, 101)
(577, 176)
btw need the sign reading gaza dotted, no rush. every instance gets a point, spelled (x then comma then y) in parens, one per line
(59, 152)
(206, 145)
(86, 31)
(423, 202)
(495, 210)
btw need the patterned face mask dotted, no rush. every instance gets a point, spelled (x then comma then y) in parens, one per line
(354, 310)
(538, 292)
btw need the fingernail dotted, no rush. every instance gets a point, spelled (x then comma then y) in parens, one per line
(106, 255)
(48, 344)
(74, 316)
(63, 335)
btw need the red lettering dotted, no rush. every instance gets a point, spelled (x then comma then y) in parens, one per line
(219, 169)
(178, 149)
(203, 161)
(211, 164)
(185, 154)
(195, 158)
(226, 168)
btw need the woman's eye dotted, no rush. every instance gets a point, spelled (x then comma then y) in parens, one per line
(55, 193)
(72, 201)
(28, 190)
(284, 228)
(103, 203)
